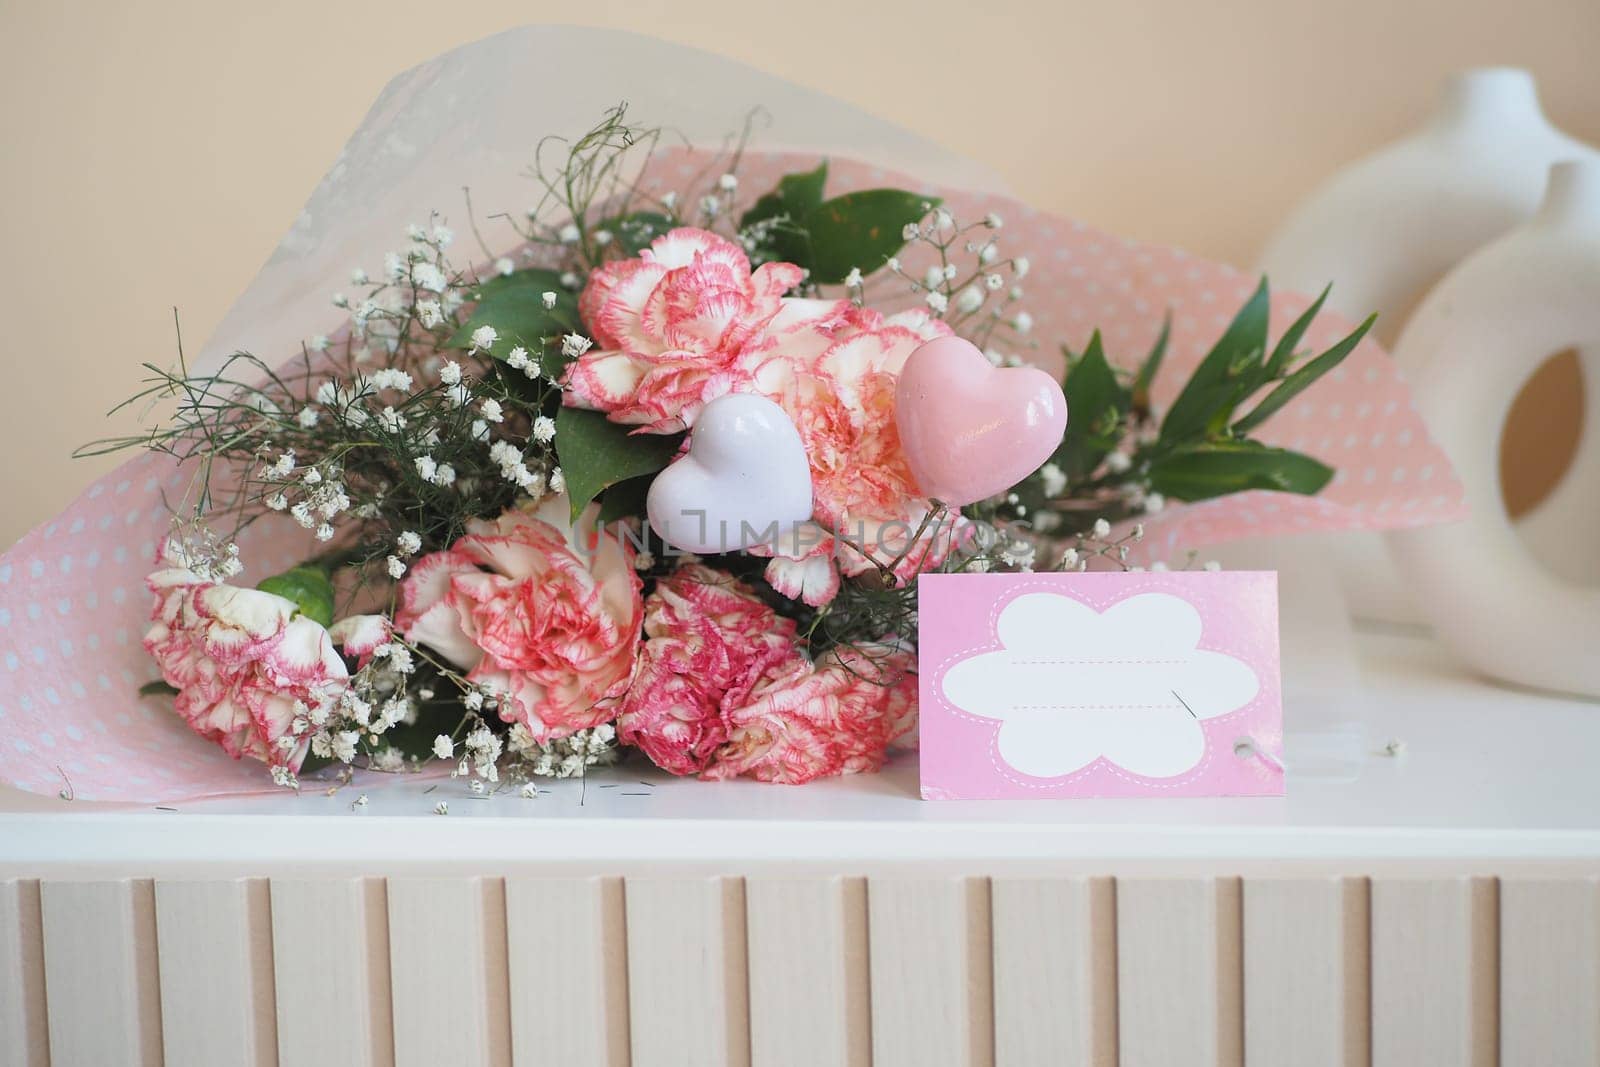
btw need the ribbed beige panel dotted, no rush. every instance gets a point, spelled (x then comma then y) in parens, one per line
(1055, 971)
(1435, 972)
(24, 1026)
(687, 994)
(567, 939)
(932, 972)
(1306, 972)
(809, 1001)
(330, 951)
(1549, 972)
(447, 971)
(1179, 972)
(217, 1002)
(102, 978)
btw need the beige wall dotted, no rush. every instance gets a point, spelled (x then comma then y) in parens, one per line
(151, 154)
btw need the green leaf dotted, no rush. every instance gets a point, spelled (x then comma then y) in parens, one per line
(514, 306)
(157, 689)
(859, 230)
(596, 453)
(1151, 365)
(634, 231)
(796, 195)
(1217, 468)
(1284, 350)
(625, 499)
(309, 588)
(1296, 383)
(1231, 371)
(1096, 401)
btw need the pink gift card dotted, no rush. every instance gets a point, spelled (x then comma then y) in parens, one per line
(1143, 684)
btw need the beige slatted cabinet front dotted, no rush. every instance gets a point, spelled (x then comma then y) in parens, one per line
(925, 969)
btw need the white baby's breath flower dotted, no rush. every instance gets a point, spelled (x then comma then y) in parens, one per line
(558, 480)
(427, 467)
(1118, 462)
(459, 395)
(303, 516)
(728, 182)
(548, 299)
(988, 254)
(483, 337)
(569, 234)
(993, 221)
(319, 343)
(1102, 529)
(1053, 478)
(544, 429)
(391, 420)
(1154, 502)
(570, 280)
(277, 501)
(710, 206)
(445, 476)
(993, 282)
(359, 277)
(441, 808)
(479, 430)
(1020, 266)
(643, 561)
(491, 410)
(450, 373)
(325, 532)
(429, 277)
(396, 566)
(429, 313)
(307, 418)
(937, 301)
(443, 747)
(853, 279)
(1023, 322)
(969, 299)
(574, 345)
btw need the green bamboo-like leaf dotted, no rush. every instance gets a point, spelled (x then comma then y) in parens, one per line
(1297, 382)
(514, 306)
(1229, 373)
(1096, 402)
(859, 230)
(1216, 468)
(309, 588)
(1152, 365)
(596, 453)
(1284, 351)
(795, 196)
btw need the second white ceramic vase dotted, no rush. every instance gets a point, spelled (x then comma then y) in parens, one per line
(1469, 348)
(1384, 230)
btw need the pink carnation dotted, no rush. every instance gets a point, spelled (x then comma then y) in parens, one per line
(842, 403)
(709, 640)
(835, 717)
(722, 689)
(532, 614)
(680, 325)
(243, 662)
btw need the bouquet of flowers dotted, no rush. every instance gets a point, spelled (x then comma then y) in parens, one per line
(482, 459)
(656, 461)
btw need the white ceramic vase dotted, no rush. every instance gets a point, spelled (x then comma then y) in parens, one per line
(1469, 348)
(1387, 228)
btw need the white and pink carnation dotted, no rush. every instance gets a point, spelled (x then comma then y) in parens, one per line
(245, 664)
(864, 496)
(684, 322)
(709, 640)
(722, 689)
(542, 613)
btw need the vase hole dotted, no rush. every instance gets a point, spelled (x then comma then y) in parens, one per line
(1540, 444)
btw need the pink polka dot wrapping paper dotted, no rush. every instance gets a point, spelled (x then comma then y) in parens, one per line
(73, 606)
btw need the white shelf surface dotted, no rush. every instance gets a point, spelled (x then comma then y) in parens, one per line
(1487, 774)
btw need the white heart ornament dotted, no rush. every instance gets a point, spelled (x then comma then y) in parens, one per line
(743, 482)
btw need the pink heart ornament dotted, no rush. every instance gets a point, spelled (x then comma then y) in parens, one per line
(744, 481)
(970, 429)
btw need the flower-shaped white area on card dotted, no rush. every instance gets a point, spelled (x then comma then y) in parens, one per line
(1071, 685)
